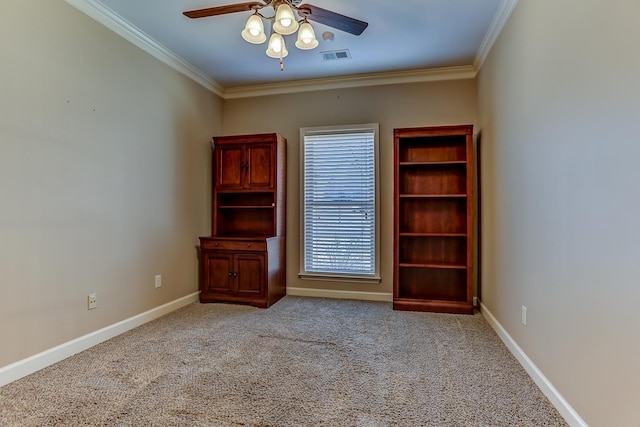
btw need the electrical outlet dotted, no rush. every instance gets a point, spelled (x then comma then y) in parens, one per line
(92, 301)
(524, 315)
(158, 280)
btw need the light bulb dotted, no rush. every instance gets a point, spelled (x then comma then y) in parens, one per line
(277, 48)
(254, 30)
(285, 22)
(306, 37)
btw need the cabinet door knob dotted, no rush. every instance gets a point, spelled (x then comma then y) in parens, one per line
(248, 245)
(235, 274)
(215, 244)
(230, 274)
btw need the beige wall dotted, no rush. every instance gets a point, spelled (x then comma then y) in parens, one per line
(407, 105)
(559, 104)
(104, 177)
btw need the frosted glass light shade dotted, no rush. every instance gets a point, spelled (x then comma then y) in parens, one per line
(306, 37)
(277, 48)
(254, 30)
(285, 22)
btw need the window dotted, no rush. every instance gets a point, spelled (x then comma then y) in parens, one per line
(340, 203)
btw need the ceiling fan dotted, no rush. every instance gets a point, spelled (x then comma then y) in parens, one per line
(284, 23)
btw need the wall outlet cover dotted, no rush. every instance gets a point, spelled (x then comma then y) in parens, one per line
(92, 301)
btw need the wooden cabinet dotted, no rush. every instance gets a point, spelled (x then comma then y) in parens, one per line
(246, 270)
(433, 219)
(244, 258)
(245, 166)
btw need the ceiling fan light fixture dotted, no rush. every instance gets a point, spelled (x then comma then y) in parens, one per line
(254, 30)
(277, 49)
(285, 22)
(306, 37)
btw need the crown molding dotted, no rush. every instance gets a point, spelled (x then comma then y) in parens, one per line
(105, 16)
(427, 75)
(495, 28)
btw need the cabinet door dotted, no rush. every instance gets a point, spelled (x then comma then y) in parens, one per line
(260, 159)
(250, 269)
(218, 273)
(229, 166)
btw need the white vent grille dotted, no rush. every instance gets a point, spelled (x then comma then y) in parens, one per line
(336, 54)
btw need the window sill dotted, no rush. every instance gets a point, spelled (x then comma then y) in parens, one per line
(339, 278)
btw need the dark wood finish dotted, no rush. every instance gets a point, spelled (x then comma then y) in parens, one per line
(217, 272)
(433, 219)
(332, 19)
(221, 10)
(260, 166)
(249, 166)
(244, 258)
(479, 217)
(230, 166)
(311, 12)
(434, 251)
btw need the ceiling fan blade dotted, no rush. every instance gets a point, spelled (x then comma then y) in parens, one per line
(332, 19)
(221, 10)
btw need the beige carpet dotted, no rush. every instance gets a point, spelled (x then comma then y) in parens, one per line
(303, 362)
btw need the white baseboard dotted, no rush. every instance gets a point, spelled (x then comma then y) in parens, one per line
(554, 396)
(326, 293)
(39, 361)
(34, 363)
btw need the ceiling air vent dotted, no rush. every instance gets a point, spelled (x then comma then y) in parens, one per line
(336, 54)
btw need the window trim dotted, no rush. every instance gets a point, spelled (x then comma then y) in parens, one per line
(327, 130)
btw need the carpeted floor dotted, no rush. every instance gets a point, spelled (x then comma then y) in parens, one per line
(302, 362)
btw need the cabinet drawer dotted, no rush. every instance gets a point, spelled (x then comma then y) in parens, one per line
(235, 245)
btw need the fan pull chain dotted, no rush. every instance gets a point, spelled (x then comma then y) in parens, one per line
(281, 62)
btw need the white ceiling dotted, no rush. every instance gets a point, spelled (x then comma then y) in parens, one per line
(403, 35)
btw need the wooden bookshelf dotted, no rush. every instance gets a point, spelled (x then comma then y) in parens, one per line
(433, 219)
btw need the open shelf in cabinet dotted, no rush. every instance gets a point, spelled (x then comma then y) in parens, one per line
(244, 213)
(433, 178)
(432, 149)
(433, 251)
(425, 283)
(433, 215)
(245, 221)
(244, 200)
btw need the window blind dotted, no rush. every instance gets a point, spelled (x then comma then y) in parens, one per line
(339, 203)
